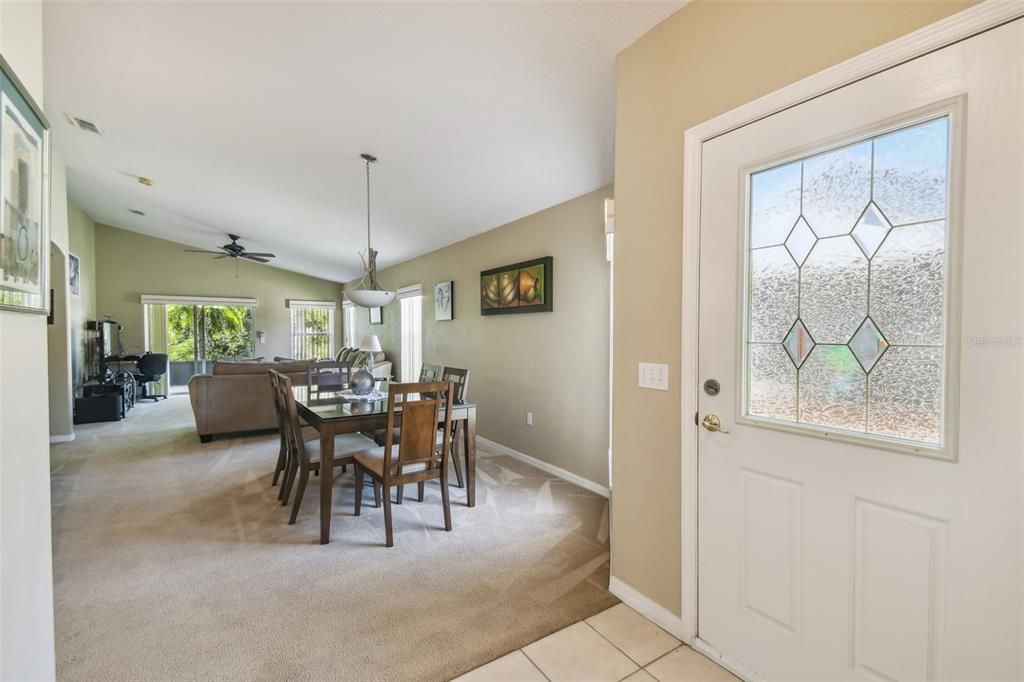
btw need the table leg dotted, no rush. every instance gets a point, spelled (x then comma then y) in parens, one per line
(326, 481)
(469, 448)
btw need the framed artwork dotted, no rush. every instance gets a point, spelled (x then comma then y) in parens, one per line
(520, 288)
(444, 301)
(24, 197)
(376, 315)
(74, 281)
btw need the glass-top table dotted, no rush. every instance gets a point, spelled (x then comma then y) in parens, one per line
(333, 412)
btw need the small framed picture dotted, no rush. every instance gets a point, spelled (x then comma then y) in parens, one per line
(376, 315)
(444, 300)
(74, 281)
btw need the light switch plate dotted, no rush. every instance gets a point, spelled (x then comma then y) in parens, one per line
(653, 375)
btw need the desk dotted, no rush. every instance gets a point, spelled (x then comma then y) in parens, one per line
(330, 414)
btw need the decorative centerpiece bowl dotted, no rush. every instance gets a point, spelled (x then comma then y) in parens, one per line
(362, 382)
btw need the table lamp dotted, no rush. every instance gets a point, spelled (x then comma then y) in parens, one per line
(362, 380)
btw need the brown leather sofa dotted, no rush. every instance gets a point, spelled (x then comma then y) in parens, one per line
(236, 396)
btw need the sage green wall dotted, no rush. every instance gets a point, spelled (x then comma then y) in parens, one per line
(552, 364)
(82, 308)
(129, 265)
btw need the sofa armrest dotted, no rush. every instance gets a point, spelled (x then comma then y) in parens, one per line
(198, 394)
(382, 370)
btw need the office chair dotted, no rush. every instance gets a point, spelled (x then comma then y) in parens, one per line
(149, 369)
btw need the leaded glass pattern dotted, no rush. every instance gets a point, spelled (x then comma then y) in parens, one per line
(847, 287)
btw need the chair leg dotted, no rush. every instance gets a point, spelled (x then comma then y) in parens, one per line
(289, 480)
(456, 460)
(422, 485)
(389, 537)
(359, 488)
(303, 480)
(376, 494)
(446, 503)
(281, 460)
(400, 494)
(284, 475)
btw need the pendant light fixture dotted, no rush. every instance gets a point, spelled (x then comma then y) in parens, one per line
(368, 293)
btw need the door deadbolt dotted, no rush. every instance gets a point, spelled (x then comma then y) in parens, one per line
(712, 387)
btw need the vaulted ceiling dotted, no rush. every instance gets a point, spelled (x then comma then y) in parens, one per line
(250, 117)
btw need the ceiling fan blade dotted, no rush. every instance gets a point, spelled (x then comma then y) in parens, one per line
(223, 255)
(261, 255)
(249, 256)
(201, 251)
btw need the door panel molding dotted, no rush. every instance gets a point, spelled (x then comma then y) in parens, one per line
(972, 21)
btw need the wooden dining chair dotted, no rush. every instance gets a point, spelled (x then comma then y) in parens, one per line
(428, 373)
(328, 375)
(305, 455)
(459, 379)
(283, 451)
(414, 458)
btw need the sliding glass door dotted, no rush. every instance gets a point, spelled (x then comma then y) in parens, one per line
(198, 335)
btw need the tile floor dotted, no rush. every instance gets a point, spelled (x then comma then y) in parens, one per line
(617, 644)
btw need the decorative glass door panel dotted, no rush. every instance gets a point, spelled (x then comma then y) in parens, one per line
(846, 288)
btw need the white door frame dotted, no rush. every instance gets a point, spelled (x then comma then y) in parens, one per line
(977, 19)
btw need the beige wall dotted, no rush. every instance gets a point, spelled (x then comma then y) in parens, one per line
(58, 335)
(129, 264)
(26, 566)
(702, 61)
(82, 308)
(553, 364)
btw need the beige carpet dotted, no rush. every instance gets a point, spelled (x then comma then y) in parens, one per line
(173, 561)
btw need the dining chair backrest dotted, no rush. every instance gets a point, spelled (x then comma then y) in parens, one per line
(328, 375)
(289, 415)
(418, 407)
(460, 379)
(275, 391)
(429, 372)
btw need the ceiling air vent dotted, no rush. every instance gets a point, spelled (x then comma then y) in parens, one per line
(87, 126)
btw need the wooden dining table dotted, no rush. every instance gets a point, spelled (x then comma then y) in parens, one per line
(332, 413)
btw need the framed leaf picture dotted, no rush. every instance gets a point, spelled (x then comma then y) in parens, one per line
(520, 288)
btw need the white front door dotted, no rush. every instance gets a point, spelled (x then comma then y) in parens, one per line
(862, 310)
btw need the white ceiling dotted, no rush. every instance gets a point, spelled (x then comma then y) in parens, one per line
(250, 117)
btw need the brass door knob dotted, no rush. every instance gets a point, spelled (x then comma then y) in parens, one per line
(713, 423)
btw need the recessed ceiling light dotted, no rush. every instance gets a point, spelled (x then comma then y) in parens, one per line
(83, 124)
(137, 211)
(145, 181)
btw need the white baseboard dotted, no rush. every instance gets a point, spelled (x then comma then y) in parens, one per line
(544, 466)
(63, 438)
(646, 607)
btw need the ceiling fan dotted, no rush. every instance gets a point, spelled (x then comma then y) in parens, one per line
(235, 250)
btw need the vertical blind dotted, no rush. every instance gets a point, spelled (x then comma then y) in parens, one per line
(312, 329)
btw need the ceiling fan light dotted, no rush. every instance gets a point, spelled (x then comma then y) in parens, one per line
(369, 298)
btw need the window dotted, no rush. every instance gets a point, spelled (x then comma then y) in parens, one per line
(196, 331)
(312, 329)
(348, 311)
(411, 300)
(846, 287)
